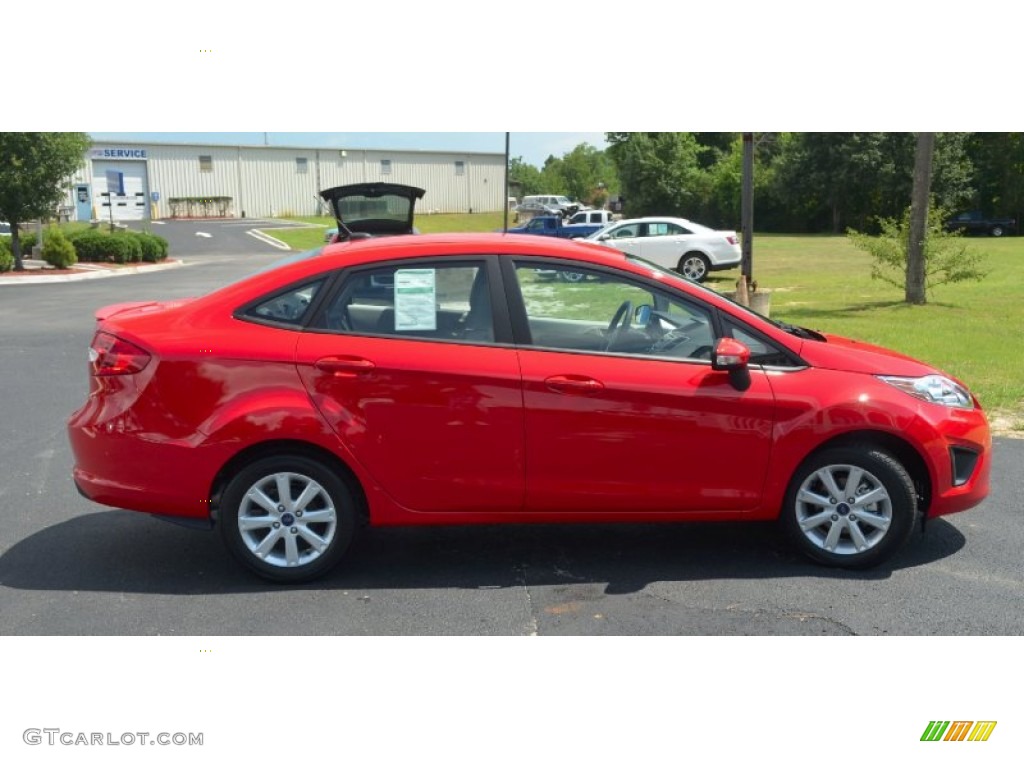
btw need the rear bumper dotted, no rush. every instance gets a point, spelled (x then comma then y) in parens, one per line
(160, 476)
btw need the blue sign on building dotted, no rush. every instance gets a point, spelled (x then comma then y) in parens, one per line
(115, 182)
(119, 153)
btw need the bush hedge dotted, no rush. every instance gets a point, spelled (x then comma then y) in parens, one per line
(6, 257)
(119, 247)
(58, 251)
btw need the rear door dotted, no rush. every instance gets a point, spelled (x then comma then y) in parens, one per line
(408, 368)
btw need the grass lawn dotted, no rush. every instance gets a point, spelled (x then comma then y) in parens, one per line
(975, 331)
(307, 237)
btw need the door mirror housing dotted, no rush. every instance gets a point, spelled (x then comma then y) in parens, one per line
(642, 316)
(730, 355)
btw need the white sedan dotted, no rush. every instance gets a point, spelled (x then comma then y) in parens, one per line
(691, 249)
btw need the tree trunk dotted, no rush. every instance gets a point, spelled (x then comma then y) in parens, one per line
(19, 265)
(915, 286)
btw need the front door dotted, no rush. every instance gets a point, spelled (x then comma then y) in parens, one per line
(626, 417)
(83, 203)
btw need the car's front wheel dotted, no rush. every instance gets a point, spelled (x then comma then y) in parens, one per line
(694, 266)
(997, 231)
(850, 507)
(288, 518)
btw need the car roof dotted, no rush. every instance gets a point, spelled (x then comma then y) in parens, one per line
(649, 219)
(418, 247)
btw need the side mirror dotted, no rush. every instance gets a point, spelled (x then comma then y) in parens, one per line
(642, 316)
(730, 355)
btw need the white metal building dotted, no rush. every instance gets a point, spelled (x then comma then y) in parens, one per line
(261, 181)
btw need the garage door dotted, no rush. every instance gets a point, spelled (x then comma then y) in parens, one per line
(127, 182)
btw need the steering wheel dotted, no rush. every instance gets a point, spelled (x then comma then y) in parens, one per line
(619, 323)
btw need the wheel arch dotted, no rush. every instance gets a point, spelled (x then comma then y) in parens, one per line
(901, 450)
(269, 448)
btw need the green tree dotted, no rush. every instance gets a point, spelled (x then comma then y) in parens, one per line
(34, 171)
(840, 180)
(659, 173)
(584, 171)
(946, 257)
(998, 159)
(527, 176)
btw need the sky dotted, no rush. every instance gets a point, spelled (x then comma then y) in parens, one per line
(534, 148)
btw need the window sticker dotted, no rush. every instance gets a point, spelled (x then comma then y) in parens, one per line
(415, 300)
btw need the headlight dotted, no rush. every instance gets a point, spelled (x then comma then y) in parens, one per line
(933, 389)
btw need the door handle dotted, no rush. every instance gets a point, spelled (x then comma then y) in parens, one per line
(344, 366)
(572, 384)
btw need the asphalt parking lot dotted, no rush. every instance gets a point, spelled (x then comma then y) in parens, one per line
(70, 567)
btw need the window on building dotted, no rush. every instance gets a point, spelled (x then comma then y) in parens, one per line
(301, 165)
(460, 168)
(206, 163)
(385, 167)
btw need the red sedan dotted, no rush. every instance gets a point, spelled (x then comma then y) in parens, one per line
(420, 380)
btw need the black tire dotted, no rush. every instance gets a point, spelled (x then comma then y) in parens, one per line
(861, 534)
(997, 231)
(295, 550)
(694, 266)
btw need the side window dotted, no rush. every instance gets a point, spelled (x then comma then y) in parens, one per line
(762, 352)
(588, 311)
(675, 229)
(289, 307)
(451, 302)
(630, 230)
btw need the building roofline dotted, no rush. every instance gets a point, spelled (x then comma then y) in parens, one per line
(95, 143)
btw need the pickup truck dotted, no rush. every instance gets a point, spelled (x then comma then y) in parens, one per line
(592, 217)
(552, 226)
(976, 223)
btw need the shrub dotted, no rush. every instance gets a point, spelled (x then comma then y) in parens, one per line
(57, 249)
(6, 257)
(154, 247)
(947, 258)
(133, 247)
(91, 245)
(28, 242)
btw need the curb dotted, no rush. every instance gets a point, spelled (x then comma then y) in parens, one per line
(94, 273)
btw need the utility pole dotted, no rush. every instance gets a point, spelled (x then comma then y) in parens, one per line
(747, 210)
(506, 181)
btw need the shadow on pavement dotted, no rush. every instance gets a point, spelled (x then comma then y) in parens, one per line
(128, 552)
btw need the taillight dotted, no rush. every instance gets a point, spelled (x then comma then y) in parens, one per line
(732, 239)
(111, 356)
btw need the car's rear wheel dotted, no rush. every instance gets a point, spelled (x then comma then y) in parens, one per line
(850, 506)
(997, 231)
(288, 518)
(694, 266)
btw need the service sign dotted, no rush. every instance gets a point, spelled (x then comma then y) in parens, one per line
(118, 153)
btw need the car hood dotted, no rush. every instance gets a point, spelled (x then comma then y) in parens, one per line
(373, 209)
(839, 353)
